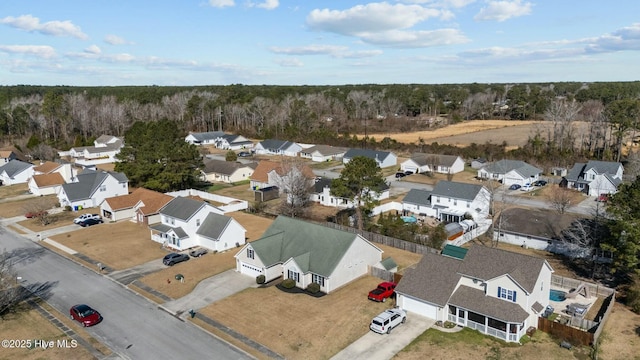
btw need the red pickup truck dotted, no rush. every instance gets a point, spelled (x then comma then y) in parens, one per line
(382, 292)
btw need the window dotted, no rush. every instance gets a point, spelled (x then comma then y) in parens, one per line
(103, 187)
(293, 275)
(468, 204)
(455, 202)
(197, 222)
(250, 253)
(318, 279)
(507, 294)
(437, 199)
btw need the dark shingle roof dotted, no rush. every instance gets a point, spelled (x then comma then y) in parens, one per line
(325, 150)
(182, 208)
(214, 225)
(221, 167)
(456, 190)
(521, 167)
(372, 154)
(423, 159)
(14, 167)
(203, 136)
(476, 301)
(275, 145)
(320, 184)
(418, 197)
(433, 279)
(180, 233)
(88, 182)
(534, 222)
(600, 167)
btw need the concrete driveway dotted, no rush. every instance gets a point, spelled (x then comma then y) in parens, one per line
(374, 346)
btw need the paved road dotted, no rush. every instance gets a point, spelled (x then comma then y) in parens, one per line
(133, 327)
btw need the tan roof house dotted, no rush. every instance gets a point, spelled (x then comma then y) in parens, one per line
(45, 184)
(141, 206)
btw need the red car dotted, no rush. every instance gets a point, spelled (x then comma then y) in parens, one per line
(85, 315)
(383, 291)
(35, 214)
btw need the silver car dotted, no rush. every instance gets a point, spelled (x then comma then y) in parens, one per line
(387, 320)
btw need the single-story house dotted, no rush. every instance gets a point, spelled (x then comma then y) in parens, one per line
(278, 147)
(45, 184)
(90, 188)
(204, 138)
(270, 173)
(186, 223)
(595, 178)
(308, 253)
(383, 158)
(494, 291)
(426, 163)
(139, 206)
(510, 172)
(322, 153)
(15, 172)
(478, 163)
(233, 142)
(227, 171)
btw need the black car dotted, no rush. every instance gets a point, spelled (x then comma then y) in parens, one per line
(514, 187)
(244, 154)
(174, 258)
(408, 172)
(89, 222)
(540, 183)
(400, 175)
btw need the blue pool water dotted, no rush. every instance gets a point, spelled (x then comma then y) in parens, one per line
(557, 295)
(408, 219)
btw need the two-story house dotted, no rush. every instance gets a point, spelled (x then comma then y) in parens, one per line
(383, 158)
(595, 178)
(449, 201)
(278, 147)
(15, 172)
(49, 176)
(104, 150)
(426, 163)
(186, 223)
(90, 188)
(510, 172)
(496, 292)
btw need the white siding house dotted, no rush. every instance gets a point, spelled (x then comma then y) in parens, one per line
(510, 172)
(15, 172)
(596, 177)
(90, 188)
(425, 163)
(383, 158)
(278, 147)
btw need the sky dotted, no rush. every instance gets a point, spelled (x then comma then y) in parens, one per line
(313, 42)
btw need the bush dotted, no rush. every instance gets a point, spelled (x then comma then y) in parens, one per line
(67, 208)
(288, 283)
(313, 288)
(260, 279)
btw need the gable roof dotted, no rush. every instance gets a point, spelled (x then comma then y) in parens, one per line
(315, 248)
(423, 159)
(88, 182)
(475, 299)
(372, 154)
(320, 184)
(152, 200)
(203, 136)
(261, 172)
(214, 225)
(6, 152)
(106, 139)
(182, 208)
(274, 144)
(15, 167)
(576, 173)
(536, 222)
(456, 190)
(46, 167)
(418, 197)
(485, 263)
(235, 139)
(212, 166)
(44, 180)
(433, 279)
(504, 166)
(325, 150)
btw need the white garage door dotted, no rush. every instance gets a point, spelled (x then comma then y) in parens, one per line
(418, 307)
(410, 168)
(247, 269)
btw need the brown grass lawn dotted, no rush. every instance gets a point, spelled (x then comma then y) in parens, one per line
(404, 259)
(194, 271)
(299, 326)
(118, 245)
(620, 338)
(56, 220)
(28, 324)
(254, 224)
(10, 207)
(9, 191)
(241, 192)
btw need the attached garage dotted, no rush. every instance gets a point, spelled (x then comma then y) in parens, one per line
(249, 270)
(417, 306)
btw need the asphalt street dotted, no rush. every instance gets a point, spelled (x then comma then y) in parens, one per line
(133, 327)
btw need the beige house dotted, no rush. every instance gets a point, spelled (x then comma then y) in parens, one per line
(140, 206)
(227, 171)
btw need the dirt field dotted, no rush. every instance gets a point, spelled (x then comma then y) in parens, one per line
(621, 335)
(299, 326)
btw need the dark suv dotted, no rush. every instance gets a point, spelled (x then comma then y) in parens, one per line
(174, 258)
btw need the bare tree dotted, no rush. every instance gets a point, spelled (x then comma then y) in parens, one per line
(560, 199)
(294, 180)
(562, 114)
(39, 210)
(10, 291)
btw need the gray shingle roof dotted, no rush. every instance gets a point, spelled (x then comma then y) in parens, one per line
(88, 183)
(576, 174)
(521, 167)
(214, 225)
(320, 184)
(325, 150)
(388, 263)
(372, 154)
(476, 301)
(456, 190)
(433, 280)
(203, 136)
(316, 248)
(275, 145)
(418, 197)
(221, 167)
(423, 159)
(14, 167)
(180, 233)
(535, 222)
(182, 208)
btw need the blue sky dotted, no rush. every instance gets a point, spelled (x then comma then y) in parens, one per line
(312, 42)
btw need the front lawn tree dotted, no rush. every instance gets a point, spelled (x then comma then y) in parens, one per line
(155, 156)
(359, 182)
(624, 225)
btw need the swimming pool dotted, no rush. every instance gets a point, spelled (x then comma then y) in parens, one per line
(557, 295)
(408, 219)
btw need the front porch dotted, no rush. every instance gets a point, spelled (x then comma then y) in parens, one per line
(507, 331)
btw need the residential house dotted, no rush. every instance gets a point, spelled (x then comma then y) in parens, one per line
(308, 253)
(479, 163)
(104, 150)
(510, 172)
(449, 201)
(141, 206)
(233, 142)
(15, 172)
(383, 158)
(227, 171)
(65, 169)
(426, 163)
(45, 184)
(271, 173)
(9, 153)
(278, 147)
(204, 138)
(90, 188)
(596, 177)
(322, 153)
(321, 193)
(496, 292)
(186, 223)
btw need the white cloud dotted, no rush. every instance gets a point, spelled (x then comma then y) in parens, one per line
(221, 3)
(289, 62)
(373, 17)
(269, 4)
(116, 40)
(93, 49)
(415, 39)
(41, 51)
(330, 50)
(55, 28)
(442, 3)
(627, 38)
(503, 10)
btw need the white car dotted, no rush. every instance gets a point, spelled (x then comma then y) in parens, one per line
(84, 217)
(526, 187)
(387, 320)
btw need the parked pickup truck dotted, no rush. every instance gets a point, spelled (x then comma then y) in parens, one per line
(382, 292)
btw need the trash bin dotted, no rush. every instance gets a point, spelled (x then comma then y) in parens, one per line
(192, 313)
(179, 277)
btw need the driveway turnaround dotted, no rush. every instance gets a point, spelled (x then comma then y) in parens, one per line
(374, 346)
